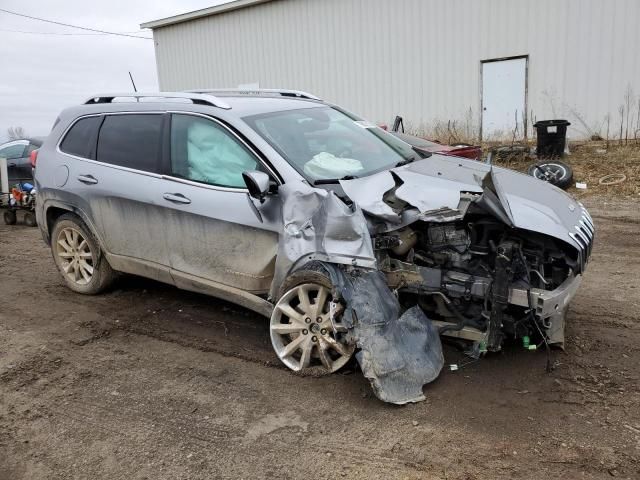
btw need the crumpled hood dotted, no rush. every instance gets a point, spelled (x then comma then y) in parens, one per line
(435, 184)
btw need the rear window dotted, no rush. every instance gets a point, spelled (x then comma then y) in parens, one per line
(78, 140)
(132, 141)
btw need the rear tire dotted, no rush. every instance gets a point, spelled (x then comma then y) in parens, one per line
(78, 256)
(30, 219)
(10, 217)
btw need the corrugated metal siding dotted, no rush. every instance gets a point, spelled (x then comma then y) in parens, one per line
(417, 58)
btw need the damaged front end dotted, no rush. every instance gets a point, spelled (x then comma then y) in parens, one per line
(442, 246)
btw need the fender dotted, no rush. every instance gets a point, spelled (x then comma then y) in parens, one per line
(52, 202)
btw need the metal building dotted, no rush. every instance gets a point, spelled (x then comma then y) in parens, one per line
(492, 66)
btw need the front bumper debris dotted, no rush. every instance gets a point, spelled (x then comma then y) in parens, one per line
(398, 353)
(550, 306)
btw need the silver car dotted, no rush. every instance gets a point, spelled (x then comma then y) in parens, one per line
(17, 153)
(347, 238)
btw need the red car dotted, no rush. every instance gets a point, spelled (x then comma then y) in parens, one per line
(456, 150)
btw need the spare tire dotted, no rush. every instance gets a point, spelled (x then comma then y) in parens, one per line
(555, 172)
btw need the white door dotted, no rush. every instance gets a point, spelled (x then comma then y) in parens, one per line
(504, 98)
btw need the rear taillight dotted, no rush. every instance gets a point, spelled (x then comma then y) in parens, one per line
(33, 157)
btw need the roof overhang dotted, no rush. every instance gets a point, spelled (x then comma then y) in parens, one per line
(205, 12)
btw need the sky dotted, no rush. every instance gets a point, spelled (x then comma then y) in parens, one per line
(40, 75)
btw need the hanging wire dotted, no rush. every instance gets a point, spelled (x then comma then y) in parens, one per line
(104, 32)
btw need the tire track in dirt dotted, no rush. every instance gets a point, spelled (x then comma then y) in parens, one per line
(196, 343)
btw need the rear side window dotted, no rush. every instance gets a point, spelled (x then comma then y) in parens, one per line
(79, 139)
(132, 141)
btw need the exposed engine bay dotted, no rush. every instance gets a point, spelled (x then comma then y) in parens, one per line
(463, 273)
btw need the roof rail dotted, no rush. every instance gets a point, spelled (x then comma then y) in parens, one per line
(257, 92)
(197, 98)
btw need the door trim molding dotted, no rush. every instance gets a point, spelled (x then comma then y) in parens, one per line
(192, 283)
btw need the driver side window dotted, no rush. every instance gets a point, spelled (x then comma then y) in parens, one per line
(203, 151)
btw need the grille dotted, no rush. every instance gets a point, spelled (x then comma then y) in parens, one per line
(584, 234)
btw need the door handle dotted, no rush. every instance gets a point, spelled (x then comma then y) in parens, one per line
(176, 198)
(88, 179)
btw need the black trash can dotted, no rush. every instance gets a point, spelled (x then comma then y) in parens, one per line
(552, 136)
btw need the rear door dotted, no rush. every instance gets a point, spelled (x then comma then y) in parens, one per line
(213, 232)
(120, 187)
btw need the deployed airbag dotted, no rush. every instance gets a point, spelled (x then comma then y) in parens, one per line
(326, 165)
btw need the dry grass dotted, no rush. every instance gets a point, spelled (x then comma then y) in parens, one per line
(447, 131)
(590, 162)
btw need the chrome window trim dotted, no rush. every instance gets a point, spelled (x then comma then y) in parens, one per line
(117, 167)
(66, 130)
(185, 181)
(207, 186)
(105, 164)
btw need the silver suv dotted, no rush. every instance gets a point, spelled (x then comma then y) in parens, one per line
(347, 238)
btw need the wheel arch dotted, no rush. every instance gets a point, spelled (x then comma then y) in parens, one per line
(53, 210)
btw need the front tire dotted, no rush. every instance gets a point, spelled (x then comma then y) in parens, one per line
(302, 333)
(78, 257)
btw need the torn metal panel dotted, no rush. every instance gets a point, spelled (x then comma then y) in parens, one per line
(317, 225)
(420, 191)
(398, 353)
(428, 193)
(555, 329)
(369, 192)
(438, 181)
(467, 172)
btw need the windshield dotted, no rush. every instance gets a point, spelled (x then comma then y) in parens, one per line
(324, 143)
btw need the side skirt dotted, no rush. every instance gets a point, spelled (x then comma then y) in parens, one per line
(191, 283)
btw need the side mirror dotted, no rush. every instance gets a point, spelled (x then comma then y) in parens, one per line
(257, 182)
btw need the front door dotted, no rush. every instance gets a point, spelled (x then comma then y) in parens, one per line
(504, 98)
(213, 233)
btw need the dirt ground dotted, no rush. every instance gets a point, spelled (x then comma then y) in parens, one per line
(149, 382)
